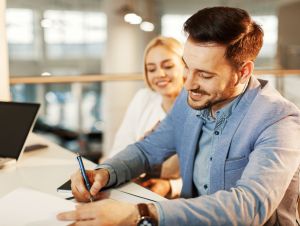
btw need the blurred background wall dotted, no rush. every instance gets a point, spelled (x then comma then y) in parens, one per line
(65, 38)
(4, 75)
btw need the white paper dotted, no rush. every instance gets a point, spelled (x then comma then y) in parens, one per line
(140, 191)
(124, 197)
(27, 207)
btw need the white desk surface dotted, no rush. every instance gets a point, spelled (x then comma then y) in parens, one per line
(46, 169)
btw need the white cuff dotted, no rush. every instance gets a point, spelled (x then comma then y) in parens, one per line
(176, 186)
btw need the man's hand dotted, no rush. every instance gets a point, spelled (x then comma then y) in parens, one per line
(159, 186)
(103, 212)
(98, 179)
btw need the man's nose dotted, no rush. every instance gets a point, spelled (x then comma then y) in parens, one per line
(190, 81)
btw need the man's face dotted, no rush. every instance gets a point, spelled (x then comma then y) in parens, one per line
(210, 79)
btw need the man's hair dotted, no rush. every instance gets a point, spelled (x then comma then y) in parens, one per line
(231, 27)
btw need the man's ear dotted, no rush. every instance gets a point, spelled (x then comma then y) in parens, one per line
(246, 71)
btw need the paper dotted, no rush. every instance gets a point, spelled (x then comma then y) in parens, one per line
(27, 207)
(124, 197)
(140, 191)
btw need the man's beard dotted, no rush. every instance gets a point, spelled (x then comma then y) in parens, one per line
(207, 104)
(226, 95)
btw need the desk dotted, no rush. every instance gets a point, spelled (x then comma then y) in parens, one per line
(46, 169)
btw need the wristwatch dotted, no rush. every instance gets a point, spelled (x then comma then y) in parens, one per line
(145, 218)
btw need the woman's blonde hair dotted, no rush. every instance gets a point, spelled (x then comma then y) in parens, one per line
(167, 42)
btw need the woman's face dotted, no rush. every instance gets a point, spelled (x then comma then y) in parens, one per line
(164, 71)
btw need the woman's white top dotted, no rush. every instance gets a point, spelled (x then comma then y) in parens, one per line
(142, 115)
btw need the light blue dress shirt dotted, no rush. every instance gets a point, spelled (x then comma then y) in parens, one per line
(212, 128)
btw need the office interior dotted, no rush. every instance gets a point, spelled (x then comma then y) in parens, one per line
(83, 62)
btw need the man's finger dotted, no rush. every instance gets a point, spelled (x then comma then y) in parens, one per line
(78, 188)
(77, 215)
(84, 223)
(95, 188)
(67, 216)
(82, 197)
(98, 184)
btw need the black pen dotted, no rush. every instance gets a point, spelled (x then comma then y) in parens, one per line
(85, 178)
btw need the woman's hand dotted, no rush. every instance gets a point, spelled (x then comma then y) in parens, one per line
(159, 186)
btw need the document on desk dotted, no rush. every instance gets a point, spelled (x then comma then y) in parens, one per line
(27, 207)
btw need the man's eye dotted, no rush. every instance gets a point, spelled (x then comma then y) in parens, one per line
(205, 75)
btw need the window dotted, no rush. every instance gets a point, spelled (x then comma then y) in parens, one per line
(172, 26)
(20, 36)
(269, 24)
(74, 34)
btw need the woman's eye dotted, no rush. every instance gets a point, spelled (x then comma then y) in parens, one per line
(168, 66)
(151, 70)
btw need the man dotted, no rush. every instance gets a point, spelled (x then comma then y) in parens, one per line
(236, 137)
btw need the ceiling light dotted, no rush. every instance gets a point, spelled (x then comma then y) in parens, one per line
(46, 74)
(132, 18)
(147, 26)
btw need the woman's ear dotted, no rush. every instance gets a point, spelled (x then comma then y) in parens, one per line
(246, 71)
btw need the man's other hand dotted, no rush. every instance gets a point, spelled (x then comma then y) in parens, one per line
(103, 212)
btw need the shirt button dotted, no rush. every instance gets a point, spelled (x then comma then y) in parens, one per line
(217, 132)
(205, 186)
(210, 158)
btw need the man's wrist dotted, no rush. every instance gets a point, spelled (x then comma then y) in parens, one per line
(112, 177)
(153, 212)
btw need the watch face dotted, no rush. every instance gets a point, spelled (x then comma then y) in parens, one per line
(145, 221)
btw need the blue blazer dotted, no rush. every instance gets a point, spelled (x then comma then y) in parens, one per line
(254, 170)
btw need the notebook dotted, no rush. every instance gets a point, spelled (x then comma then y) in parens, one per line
(16, 122)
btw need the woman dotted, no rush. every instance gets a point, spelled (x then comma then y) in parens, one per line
(163, 70)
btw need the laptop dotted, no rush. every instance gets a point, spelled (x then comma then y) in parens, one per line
(16, 122)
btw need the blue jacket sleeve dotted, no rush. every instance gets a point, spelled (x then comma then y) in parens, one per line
(145, 155)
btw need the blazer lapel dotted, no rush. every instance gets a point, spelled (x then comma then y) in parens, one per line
(191, 134)
(217, 172)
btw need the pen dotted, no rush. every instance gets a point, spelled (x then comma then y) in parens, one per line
(85, 178)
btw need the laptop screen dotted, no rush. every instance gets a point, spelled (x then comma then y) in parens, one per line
(16, 121)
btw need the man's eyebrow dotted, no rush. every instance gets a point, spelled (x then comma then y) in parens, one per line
(208, 72)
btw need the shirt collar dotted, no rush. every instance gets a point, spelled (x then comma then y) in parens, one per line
(224, 112)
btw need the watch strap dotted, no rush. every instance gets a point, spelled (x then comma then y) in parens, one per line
(144, 212)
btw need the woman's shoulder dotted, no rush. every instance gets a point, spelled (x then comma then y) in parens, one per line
(146, 95)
